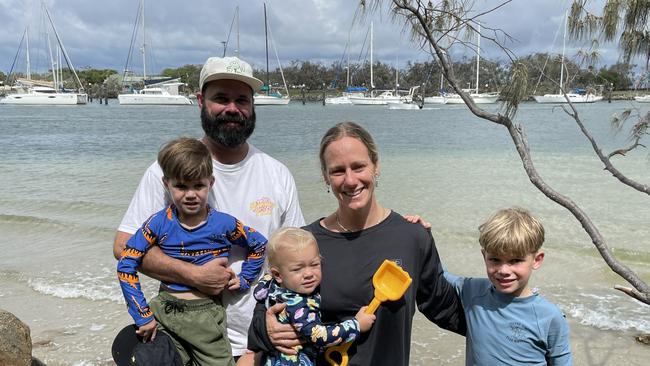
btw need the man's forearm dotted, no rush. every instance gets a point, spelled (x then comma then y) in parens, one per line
(162, 267)
(119, 244)
(157, 264)
(210, 278)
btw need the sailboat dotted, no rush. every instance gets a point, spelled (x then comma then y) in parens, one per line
(267, 95)
(437, 99)
(35, 93)
(560, 97)
(386, 96)
(157, 92)
(350, 90)
(478, 98)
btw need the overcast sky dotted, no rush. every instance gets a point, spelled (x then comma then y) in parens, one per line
(98, 33)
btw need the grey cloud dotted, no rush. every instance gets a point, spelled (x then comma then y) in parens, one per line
(97, 33)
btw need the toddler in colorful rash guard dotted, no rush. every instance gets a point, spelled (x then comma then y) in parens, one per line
(508, 323)
(295, 266)
(191, 230)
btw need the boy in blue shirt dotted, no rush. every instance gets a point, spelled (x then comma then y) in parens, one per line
(191, 230)
(508, 323)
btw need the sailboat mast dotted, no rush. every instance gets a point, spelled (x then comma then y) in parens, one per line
(478, 54)
(55, 83)
(237, 50)
(563, 50)
(29, 65)
(372, 83)
(59, 67)
(396, 73)
(65, 54)
(347, 76)
(144, 44)
(266, 37)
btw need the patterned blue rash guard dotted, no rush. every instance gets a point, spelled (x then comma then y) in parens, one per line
(199, 245)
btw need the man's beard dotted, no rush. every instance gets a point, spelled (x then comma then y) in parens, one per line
(217, 129)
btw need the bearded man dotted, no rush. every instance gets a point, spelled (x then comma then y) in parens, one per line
(249, 185)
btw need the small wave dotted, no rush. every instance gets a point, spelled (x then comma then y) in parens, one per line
(19, 219)
(102, 286)
(55, 225)
(58, 205)
(97, 327)
(610, 312)
(70, 290)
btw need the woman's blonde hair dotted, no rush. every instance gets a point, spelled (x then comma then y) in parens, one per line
(185, 159)
(287, 238)
(511, 232)
(349, 129)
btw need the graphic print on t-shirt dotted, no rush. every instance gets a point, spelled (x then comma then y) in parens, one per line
(263, 206)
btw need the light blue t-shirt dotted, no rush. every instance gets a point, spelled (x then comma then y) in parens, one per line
(507, 330)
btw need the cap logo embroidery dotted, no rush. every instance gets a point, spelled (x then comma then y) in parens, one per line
(235, 68)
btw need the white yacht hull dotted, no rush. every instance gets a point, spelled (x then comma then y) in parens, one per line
(368, 101)
(270, 100)
(338, 100)
(344, 98)
(574, 98)
(45, 99)
(481, 98)
(435, 100)
(379, 100)
(144, 99)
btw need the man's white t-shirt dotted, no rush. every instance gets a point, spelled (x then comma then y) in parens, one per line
(259, 191)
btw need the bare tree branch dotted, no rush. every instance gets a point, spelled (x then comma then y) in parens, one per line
(605, 159)
(419, 16)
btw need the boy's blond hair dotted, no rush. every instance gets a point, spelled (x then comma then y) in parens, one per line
(512, 232)
(287, 238)
(185, 159)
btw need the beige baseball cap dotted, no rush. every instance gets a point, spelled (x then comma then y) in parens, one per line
(218, 68)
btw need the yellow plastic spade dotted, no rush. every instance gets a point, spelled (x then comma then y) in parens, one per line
(390, 282)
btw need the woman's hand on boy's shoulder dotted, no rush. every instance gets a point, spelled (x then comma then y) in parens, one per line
(417, 219)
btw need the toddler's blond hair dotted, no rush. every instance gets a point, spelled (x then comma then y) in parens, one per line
(287, 238)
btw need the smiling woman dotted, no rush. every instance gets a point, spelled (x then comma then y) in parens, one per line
(354, 241)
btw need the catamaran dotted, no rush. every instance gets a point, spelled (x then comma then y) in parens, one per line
(32, 92)
(155, 92)
(269, 95)
(478, 98)
(573, 97)
(380, 97)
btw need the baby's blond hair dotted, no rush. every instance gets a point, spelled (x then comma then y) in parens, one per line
(287, 238)
(511, 232)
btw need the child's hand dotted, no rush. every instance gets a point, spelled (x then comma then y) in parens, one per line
(416, 219)
(234, 283)
(365, 320)
(147, 331)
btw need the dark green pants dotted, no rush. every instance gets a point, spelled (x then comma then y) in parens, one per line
(197, 327)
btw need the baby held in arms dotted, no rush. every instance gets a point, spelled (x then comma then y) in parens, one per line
(295, 266)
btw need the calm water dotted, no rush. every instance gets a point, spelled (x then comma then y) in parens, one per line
(69, 172)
